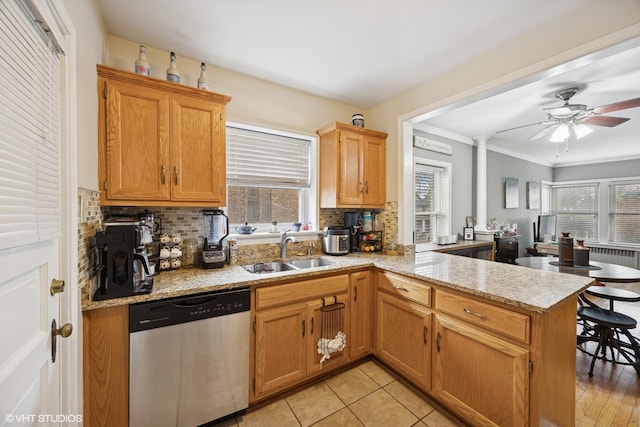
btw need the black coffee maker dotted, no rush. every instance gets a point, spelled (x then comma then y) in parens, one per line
(353, 222)
(124, 265)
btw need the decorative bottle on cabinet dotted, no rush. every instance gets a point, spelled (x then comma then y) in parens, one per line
(173, 75)
(142, 66)
(203, 83)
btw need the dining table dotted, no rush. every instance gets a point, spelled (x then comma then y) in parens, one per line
(601, 271)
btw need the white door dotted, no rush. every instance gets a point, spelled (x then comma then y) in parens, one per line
(34, 211)
(30, 380)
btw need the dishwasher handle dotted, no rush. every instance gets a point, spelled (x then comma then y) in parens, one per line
(198, 301)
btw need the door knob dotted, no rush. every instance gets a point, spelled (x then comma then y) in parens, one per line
(56, 286)
(65, 331)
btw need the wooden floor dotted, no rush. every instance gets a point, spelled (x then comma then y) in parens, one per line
(612, 396)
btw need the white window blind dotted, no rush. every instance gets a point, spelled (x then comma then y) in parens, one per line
(576, 207)
(267, 160)
(29, 129)
(624, 212)
(431, 202)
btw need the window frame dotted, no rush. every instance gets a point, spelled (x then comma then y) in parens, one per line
(612, 211)
(447, 204)
(308, 200)
(604, 219)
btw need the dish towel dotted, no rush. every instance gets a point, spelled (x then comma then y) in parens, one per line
(327, 346)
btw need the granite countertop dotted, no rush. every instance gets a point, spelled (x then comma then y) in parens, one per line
(531, 289)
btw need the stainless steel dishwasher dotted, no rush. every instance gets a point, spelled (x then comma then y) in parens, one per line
(189, 359)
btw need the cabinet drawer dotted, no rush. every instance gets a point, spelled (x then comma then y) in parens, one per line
(405, 287)
(509, 323)
(270, 296)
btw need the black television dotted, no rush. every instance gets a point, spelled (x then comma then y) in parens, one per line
(546, 225)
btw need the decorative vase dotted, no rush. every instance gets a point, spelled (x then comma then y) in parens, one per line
(581, 254)
(565, 250)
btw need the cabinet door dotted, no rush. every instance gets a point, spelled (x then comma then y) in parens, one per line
(338, 320)
(280, 348)
(403, 338)
(361, 314)
(374, 172)
(197, 151)
(137, 151)
(351, 184)
(483, 378)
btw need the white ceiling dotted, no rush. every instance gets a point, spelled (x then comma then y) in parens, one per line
(362, 53)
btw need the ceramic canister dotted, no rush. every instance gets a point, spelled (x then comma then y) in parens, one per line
(580, 254)
(565, 250)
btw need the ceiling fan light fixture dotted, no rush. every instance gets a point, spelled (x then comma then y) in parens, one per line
(561, 134)
(581, 130)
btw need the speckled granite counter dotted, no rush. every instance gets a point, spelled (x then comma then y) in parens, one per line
(531, 289)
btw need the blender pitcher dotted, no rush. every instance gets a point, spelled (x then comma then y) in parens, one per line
(215, 227)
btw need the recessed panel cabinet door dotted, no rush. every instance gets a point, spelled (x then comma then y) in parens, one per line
(403, 338)
(280, 348)
(466, 361)
(361, 314)
(374, 171)
(198, 151)
(137, 150)
(351, 166)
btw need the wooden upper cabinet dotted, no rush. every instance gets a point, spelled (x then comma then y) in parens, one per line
(199, 157)
(159, 143)
(352, 167)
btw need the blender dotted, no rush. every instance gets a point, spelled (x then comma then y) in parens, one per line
(215, 227)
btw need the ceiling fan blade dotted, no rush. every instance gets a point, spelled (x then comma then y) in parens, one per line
(607, 121)
(546, 122)
(617, 106)
(543, 132)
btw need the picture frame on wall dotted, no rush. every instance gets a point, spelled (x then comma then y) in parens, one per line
(468, 233)
(511, 195)
(533, 195)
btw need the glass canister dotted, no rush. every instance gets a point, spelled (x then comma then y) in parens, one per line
(367, 221)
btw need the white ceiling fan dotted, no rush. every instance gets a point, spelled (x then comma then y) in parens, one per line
(573, 119)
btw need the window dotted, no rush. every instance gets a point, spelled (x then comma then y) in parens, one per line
(624, 212)
(432, 201)
(576, 207)
(269, 177)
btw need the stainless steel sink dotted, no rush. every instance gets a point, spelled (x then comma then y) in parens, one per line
(276, 266)
(309, 263)
(268, 267)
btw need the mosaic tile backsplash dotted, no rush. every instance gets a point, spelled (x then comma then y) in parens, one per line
(187, 222)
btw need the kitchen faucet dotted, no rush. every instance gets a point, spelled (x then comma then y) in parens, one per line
(283, 244)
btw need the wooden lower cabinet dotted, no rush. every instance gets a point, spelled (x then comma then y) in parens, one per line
(403, 338)
(289, 321)
(483, 378)
(361, 290)
(105, 337)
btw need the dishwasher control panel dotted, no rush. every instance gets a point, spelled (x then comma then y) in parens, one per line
(155, 314)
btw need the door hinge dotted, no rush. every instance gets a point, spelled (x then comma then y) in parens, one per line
(106, 185)
(104, 90)
(530, 366)
(254, 326)
(254, 385)
(220, 116)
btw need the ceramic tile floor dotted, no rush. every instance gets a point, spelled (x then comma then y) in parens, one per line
(366, 395)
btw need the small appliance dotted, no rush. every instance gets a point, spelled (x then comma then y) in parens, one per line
(335, 241)
(124, 265)
(353, 223)
(215, 227)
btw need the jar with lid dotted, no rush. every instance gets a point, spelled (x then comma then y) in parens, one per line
(366, 221)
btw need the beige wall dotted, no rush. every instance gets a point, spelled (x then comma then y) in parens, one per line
(90, 34)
